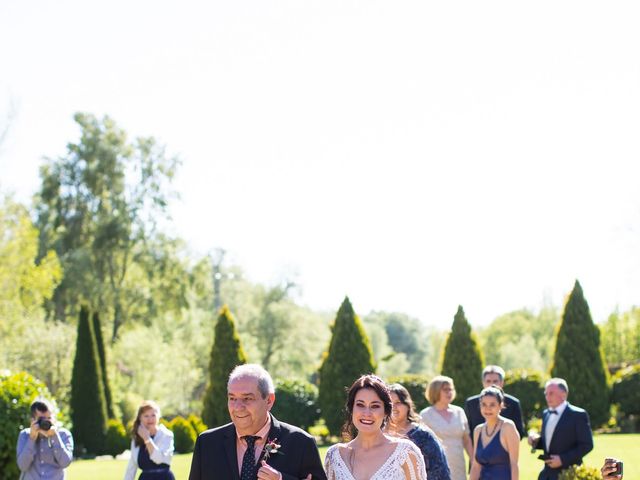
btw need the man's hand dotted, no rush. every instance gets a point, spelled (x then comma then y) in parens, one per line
(50, 433)
(34, 430)
(533, 438)
(267, 472)
(554, 461)
(610, 466)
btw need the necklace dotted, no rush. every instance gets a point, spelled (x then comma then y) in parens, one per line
(495, 427)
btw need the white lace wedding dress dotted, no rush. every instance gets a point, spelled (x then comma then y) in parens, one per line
(406, 453)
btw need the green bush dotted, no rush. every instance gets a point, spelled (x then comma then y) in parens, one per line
(226, 354)
(320, 432)
(416, 385)
(462, 359)
(197, 423)
(578, 358)
(580, 472)
(626, 390)
(116, 441)
(88, 404)
(348, 357)
(528, 387)
(17, 392)
(296, 403)
(184, 435)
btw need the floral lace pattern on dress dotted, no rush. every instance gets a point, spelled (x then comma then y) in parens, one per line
(406, 454)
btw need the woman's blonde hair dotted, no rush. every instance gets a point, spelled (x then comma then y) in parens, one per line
(432, 393)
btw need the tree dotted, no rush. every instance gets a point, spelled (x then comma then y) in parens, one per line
(88, 404)
(348, 357)
(271, 321)
(463, 359)
(97, 206)
(578, 358)
(97, 329)
(226, 354)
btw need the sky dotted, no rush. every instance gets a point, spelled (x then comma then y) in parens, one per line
(415, 156)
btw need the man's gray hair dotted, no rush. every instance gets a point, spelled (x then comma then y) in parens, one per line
(493, 369)
(560, 382)
(253, 370)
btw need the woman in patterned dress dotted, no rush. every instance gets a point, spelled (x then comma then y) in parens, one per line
(406, 422)
(449, 423)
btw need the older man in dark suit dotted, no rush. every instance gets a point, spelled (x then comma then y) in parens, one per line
(566, 432)
(493, 375)
(255, 444)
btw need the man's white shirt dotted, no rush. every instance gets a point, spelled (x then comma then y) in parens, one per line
(552, 421)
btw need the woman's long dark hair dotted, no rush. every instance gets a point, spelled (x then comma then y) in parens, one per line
(405, 398)
(372, 382)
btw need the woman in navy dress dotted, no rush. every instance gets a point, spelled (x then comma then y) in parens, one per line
(151, 446)
(496, 442)
(405, 421)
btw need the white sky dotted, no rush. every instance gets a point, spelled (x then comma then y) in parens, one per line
(413, 155)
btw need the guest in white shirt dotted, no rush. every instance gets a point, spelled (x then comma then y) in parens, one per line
(151, 446)
(566, 431)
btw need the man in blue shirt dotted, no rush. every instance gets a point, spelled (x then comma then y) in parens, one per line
(44, 449)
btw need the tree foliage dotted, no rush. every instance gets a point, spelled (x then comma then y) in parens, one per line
(97, 330)
(88, 404)
(463, 360)
(527, 386)
(24, 285)
(521, 339)
(349, 355)
(296, 403)
(97, 206)
(226, 354)
(621, 337)
(579, 359)
(626, 390)
(17, 392)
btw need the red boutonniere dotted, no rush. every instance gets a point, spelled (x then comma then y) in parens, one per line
(272, 447)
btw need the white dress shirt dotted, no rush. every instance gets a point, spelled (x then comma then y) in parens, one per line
(162, 451)
(552, 421)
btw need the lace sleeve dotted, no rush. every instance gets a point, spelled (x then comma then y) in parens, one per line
(328, 463)
(414, 464)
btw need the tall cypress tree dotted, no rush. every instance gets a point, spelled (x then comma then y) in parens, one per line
(88, 404)
(578, 358)
(97, 329)
(349, 356)
(463, 360)
(226, 354)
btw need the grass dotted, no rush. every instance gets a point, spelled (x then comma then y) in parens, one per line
(624, 447)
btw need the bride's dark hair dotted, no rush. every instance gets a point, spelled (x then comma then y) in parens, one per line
(372, 382)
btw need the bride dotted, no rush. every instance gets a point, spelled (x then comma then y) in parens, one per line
(371, 454)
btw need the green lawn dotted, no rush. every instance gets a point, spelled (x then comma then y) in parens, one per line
(624, 447)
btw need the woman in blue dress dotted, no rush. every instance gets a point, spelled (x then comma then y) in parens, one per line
(151, 446)
(496, 441)
(406, 422)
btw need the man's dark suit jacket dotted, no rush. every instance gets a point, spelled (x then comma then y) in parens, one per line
(215, 456)
(572, 440)
(512, 411)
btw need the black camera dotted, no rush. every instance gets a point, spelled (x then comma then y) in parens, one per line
(44, 423)
(618, 468)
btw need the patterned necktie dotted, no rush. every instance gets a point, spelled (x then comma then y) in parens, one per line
(249, 467)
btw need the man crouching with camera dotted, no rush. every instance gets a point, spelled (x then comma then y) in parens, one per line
(44, 449)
